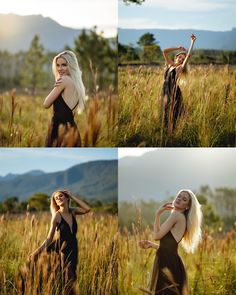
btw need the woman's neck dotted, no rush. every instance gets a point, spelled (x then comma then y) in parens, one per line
(64, 209)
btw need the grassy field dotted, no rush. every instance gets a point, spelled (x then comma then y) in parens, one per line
(211, 269)
(209, 95)
(24, 122)
(97, 268)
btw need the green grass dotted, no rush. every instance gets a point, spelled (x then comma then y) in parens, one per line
(20, 235)
(211, 269)
(209, 95)
(24, 121)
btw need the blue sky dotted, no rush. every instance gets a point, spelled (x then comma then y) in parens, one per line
(21, 160)
(216, 15)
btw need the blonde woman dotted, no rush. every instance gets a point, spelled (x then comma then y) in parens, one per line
(182, 226)
(172, 101)
(67, 94)
(64, 221)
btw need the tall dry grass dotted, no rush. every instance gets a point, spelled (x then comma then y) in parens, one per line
(24, 122)
(211, 269)
(209, 95)
(97, 267)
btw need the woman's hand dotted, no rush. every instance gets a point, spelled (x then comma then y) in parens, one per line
(193, 38)
(182, 48)
(165, 207)
(145, 244)
(58, 81)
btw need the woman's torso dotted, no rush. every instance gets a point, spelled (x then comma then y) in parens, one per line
(67, 234)
(171, 240)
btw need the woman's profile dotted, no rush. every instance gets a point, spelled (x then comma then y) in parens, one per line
(182, 226)
(67, 94)
(64, 221)
(172, 101)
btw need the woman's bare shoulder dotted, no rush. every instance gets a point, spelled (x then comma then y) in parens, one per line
(56, 217)
(178, 215)
(67, 80)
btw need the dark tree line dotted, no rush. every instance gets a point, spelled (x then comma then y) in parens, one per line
(41, 202)
(31, 71)
(148, 51)
(218, 206)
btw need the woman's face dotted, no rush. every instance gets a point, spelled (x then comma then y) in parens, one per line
(62, 66)
(182, 201)
(180, 58)
(60, 199)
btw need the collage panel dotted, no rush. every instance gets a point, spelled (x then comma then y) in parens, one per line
(177, 213)
(176, 73)
(58, 76)
(117, 147)
(58, 221)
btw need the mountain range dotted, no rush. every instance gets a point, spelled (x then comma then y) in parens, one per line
(17, 32)
(173, 38)
(91, 180)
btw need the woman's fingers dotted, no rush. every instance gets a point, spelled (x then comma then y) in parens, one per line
(58, 82)
(193, 37)
(144, 244)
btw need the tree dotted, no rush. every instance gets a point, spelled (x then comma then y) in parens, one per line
(146, 39)
(127, 53)
(33, 75)
(134, 1)
(10, 204)
(150, 51)
(97, 57)
(39, 201)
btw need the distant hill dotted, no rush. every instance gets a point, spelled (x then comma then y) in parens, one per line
(92, 180)
(11, 176)
(172, 38)
(16, 32)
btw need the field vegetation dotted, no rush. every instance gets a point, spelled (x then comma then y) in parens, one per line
(209, 95)
(21, 234)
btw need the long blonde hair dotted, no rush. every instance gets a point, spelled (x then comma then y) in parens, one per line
(193, 232)
(53, 206)
(75, 74)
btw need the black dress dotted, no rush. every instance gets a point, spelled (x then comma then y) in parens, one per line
(172, 101)
(66, 245)
(168, 274)
(62, 117)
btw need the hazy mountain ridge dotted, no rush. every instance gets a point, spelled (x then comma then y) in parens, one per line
(221, 40)
(23, 28)
(156, 175)
(92, 180)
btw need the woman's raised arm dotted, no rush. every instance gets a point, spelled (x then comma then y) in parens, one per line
(83, 207)
(193, 39)
(166, 52)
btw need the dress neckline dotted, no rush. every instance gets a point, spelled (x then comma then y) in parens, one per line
(70, 227)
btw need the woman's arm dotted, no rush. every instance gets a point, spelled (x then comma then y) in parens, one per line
(48, 240)
(83, 207)
(53, 95)
(193, 39)
(145, 244)
(161, 230)
(166, 52)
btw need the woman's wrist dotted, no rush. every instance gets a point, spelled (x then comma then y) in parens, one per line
(154, 246)
(159, 212)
